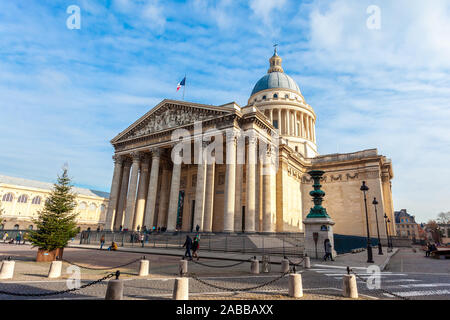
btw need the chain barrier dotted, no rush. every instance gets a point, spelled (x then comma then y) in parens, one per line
(296, 264)
(227, 266)
(108, 268)
(45, 294)
(381, 289)
(237, 289)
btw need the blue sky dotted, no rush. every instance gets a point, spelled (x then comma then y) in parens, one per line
(65, 93)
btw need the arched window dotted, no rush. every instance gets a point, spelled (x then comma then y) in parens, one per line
(264, 97)
(30, 227)
(92, 207)
(16, 227)
(8, 197)
(275, 96)
(36, 200)
(22, 199)
(2, 226)
(286, 96)
(82, 206)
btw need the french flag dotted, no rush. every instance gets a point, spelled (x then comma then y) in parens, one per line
(182, 83)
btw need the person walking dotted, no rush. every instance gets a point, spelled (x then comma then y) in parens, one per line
(188, 245)
(102, 241)
(18, 238)
(195, 246)
(328, 250)
(141, 239)
(428, 251)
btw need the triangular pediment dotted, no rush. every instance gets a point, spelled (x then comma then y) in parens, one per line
(170, 114)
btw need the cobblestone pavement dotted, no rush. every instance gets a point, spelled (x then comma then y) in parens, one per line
(321, 282)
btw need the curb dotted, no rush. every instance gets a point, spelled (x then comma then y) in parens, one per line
(386, 262)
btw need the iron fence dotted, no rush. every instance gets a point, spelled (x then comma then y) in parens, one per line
(275, 244)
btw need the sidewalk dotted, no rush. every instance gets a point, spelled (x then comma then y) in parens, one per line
(353, 260)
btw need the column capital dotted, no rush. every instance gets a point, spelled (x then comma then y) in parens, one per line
(252, 139)
(136, 157)
(156, 152)
(118, 159)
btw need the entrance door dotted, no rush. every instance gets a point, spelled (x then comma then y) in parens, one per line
(243, 218)
(180, 209)
(192, 215)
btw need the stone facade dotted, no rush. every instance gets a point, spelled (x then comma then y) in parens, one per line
(268, 191)
(21, 199)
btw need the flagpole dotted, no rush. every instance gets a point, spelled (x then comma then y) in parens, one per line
(184, 87)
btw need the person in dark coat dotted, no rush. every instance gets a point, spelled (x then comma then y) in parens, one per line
(188, 245)
(328, 250)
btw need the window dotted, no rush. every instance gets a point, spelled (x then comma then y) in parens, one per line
(8, 197)
(36, 200)
(23, 199)
(82, 206)
(16, 227)
(2, 226)
(275, 124)
(92, 207)
(30, 227)
(296, 149)
(275, 96)
(286, 96)
(264, 97)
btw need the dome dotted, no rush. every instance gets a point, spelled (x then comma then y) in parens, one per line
(275, 80)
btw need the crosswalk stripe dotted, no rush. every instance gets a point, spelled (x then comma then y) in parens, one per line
(422, 293)
(402, 280)
(421, 285)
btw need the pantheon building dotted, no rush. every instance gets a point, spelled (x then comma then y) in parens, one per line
(242, 192)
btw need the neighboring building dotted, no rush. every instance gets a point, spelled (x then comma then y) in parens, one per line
(149, 189)
(445, 232)
(406, 225)
(21, 199)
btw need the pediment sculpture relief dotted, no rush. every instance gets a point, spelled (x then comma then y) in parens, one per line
(169, 118)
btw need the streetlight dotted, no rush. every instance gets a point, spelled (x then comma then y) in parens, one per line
(380, 249)
(365, 188)
(389, 234)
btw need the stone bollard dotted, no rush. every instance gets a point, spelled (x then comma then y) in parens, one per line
(183, 269)
(254, 267)
(7, 269)
(284, 265)
(349, 287)
(181, 289)
(307, 263)
(55, 269)
(114, 291)
(295, 285)
(143, 268)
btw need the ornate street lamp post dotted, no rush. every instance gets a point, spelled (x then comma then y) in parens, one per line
(380, 249)
(365, 188)
(389, 234)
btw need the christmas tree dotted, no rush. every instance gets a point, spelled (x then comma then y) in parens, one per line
(56, 223)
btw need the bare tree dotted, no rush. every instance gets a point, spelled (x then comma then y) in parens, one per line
(444, 218)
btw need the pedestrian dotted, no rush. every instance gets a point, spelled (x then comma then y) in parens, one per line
(120, 228)
(5, 237)
(141, 239)
(195, 247)
(102, 241)
(18, 238)
(188, 245)
(328, 250)
(197, 228)
(428, 251)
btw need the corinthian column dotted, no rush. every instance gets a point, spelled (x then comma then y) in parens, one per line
(123, 195)
(152, 189)
(142, 193)
(114, 194)
(209, 198)
(131, 198)
(164, 196)
(174, 195)
(200, 189)
(267, 193)
(251, 186)
(230, 183)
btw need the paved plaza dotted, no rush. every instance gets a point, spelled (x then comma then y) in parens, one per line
(323, 281)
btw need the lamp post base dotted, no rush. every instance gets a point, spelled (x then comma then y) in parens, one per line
(369, 254)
